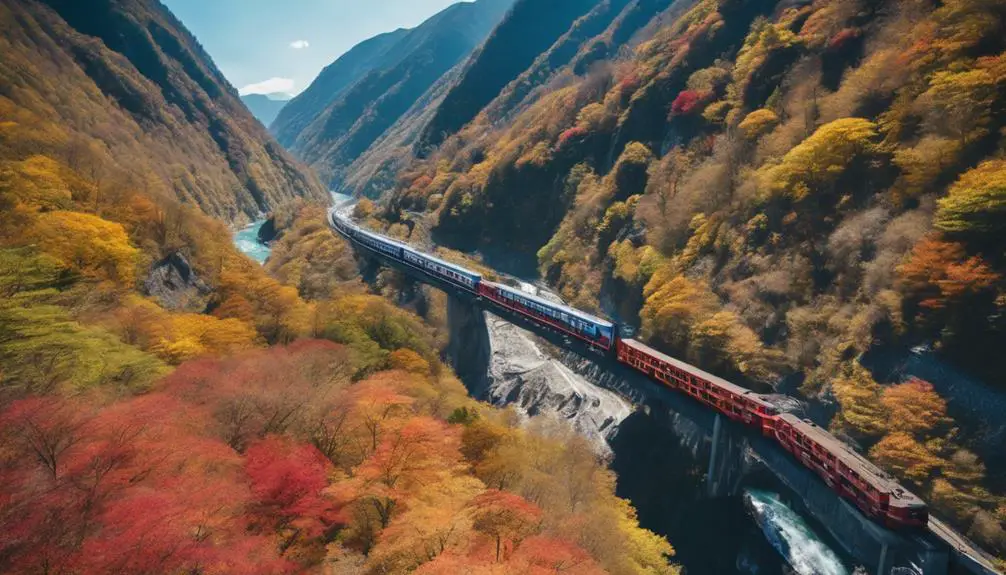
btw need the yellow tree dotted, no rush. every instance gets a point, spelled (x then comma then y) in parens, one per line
(861, 414)
(816, 164)
(96, 247)
(902, 454)
(434, 522)
(674, 304)
(36, 183)
(976, 203)
(914, 407)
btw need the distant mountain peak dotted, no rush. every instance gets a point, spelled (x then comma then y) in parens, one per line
(265, 107)
(356, 99)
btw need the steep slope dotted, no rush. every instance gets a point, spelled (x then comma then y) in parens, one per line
(374, 53)
(126, 81)
(376, 170)
(528, 30)
(592, 39)
(769, 189)
(361, 113)
(265, 107)
(607, 28)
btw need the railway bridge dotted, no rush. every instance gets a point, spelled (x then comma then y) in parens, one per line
(732, 451)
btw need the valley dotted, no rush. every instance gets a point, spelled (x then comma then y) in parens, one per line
(780, 224)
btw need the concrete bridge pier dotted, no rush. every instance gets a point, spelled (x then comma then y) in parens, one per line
(469, 349)
(727, 459)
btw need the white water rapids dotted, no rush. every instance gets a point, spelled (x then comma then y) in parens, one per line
(790, 535)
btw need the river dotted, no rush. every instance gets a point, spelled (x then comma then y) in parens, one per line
(756, 531)
(791, 536)
(246, 239)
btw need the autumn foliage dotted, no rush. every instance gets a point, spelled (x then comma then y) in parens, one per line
(276, 461)
(689, 102)
(767, 193)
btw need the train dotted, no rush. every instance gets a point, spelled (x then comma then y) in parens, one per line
(878, 495)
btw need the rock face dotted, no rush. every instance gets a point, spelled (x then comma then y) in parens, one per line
(522, 374)
(506, 365)
(268, 231)
(174, 284)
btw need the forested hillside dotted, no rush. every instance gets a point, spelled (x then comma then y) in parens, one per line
(769, 190)
(382, 79)
(136, 104)
(167, 406)
(254, 430)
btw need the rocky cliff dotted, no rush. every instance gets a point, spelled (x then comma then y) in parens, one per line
(505, 365)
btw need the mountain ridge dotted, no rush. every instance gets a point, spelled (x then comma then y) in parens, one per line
(353, 118)
(130, 76)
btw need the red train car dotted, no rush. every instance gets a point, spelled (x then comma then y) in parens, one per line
(850, 475)
(729, 399)
(845, 471)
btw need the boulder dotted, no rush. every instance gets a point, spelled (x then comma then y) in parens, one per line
(175, 285)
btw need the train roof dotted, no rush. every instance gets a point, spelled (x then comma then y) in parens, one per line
(380, 237)
(570, 310)
(719, 381)
(853, 460)
(402, 245)
(444, 262)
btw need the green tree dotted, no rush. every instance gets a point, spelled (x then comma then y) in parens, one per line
(43, 348)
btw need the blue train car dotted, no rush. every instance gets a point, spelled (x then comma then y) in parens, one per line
(445, 270)
(380, 243)
(340, 223)
(570, 320)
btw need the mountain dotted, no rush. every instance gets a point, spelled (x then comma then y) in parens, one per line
(330, 83)
(604, 30)
(265, 107)
(125, 81)
(530, 28)
(786, 193)
(365, 92)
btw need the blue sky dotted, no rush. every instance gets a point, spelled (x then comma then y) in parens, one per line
(265, 46)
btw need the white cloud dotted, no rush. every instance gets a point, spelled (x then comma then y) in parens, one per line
(270, 86)
(300, 44)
